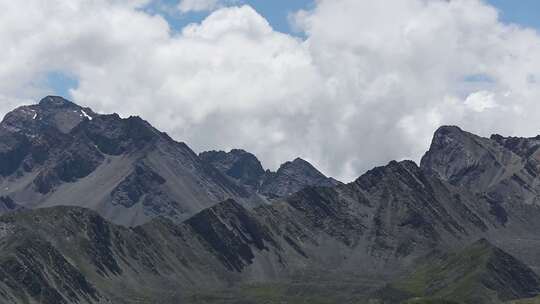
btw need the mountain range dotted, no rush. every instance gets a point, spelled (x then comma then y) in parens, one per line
(102, 209)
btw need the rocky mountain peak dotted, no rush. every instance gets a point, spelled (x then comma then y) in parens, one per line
(392, 168)
(227, 221)
(246, 169)
(449, 129)
(51, 111)
(463, 158)
(445, 136)
(238, 164)
(298, 163)
(56, 102)
(299, 166)
(58, 153)
(293, 176)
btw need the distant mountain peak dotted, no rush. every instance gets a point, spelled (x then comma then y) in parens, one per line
(50, 148)
(298, 164)
(229, 223)
(300, 160)
(446, 135)
(239, 151)
(51, 111)
(246, 169)
(56, 102)
(293, 176)
(448, 129)
(463, 158)
(237, 164)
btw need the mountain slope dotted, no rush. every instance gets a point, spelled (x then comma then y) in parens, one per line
(171, 226)
(319, 234)
(74, 255)
(237, 164)
(292, 177)
(465, 159)
(57, 153)
(503, 173)
(379, 224)
(245, 168)
(479, 273)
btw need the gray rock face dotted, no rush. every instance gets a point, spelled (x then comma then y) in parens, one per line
(418, 206)
(292, 177)
(195, 225)
(245, 168)
(8, 205)
(71, 255)
(502, 173)
(371, 230)
(52, 111)
(57, 153)
(29, 132)
(502, 170)
(232, 233)
(238, 164)
(388, 217)
(465, 159)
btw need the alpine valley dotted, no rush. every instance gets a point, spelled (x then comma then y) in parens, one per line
(102, 209)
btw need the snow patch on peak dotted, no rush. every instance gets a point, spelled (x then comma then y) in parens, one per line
(86, 115)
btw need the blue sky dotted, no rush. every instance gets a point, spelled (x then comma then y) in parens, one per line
(275, 11)
(522, 12)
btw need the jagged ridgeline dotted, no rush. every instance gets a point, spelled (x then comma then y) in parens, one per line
(58, 153)
(103, 209)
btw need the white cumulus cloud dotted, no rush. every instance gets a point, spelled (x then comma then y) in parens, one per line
(366, 85)
(481, 101)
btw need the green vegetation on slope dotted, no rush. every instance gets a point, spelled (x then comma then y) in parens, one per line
(456, 276)
(480, 273)
(535, 300)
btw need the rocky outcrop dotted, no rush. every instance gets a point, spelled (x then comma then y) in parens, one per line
(231, 232)
(58, 153)
(8, 205)
(503, 175)
(219, 222)
(51, 112)
(238, 164)
(464, 159)
(292, 177)
(71, 255)
(245, 169)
